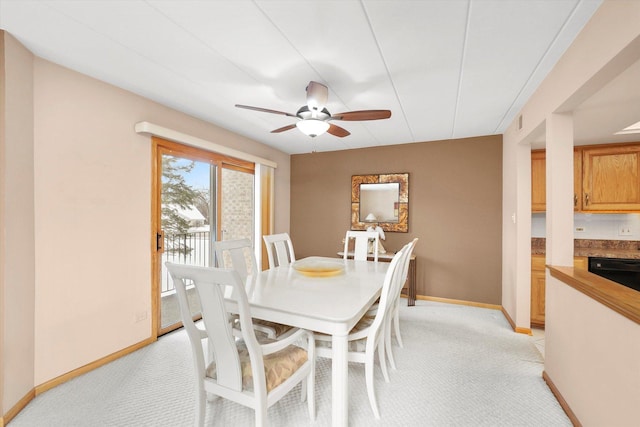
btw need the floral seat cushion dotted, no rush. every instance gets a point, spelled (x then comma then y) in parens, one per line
(278, 366)
(323, 340)
(278, 328)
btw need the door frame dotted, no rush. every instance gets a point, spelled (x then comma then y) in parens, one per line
(159, 147)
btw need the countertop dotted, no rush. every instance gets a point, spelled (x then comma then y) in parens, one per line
(621, 299)
(629, 249)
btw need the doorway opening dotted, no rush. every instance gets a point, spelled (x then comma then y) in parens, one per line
(199, 197)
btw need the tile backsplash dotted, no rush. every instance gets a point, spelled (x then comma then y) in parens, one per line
(595, 226)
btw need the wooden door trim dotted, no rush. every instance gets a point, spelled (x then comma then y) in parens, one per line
(159, 147)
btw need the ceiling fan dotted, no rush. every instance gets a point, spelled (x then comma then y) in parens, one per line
(314, 118)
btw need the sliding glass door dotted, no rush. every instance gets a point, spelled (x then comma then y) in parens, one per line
(199, 197)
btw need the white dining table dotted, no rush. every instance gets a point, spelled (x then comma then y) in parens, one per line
(331, 305)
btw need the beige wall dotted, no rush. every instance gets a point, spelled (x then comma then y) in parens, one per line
(455, 189)
(593, 357)
(591, 353)
(92, 195)
(608, 44)
(17, 259)
(88, 197)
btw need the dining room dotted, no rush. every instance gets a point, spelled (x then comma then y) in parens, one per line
(78, 240)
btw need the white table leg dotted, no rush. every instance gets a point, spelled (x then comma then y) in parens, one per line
(340, 381)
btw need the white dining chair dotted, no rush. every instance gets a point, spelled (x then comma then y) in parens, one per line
(242, 369)
(368, 335)
(238, 254)
(393, 320)
(362, 241)
(279, 249)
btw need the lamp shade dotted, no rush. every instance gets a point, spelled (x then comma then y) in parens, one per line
(312, 127)
(371, 218)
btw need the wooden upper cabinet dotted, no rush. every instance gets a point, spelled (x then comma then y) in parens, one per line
(577, 180)
(538, 182)
(606, 178)
(611, 178)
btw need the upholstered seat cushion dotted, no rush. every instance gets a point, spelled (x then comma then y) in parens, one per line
(278, 366)
(324, 340)
(363, 323)
(278, 328)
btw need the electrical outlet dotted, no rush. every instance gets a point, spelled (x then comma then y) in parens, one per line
(625, 230)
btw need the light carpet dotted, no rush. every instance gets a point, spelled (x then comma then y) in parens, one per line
(460, 366)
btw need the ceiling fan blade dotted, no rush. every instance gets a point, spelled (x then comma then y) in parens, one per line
(362, 115)
(337, 131)
(265, 110)
(284, 128)
(317, 95)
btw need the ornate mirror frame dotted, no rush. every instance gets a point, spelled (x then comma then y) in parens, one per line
(402, 226)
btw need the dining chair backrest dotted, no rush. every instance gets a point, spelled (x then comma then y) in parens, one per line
(228, 372)
(279, 249)
(393, 282)
(212, 286)
(394, 315)
(408, 249)
(404, 268)
(236, 254)
(361, 245)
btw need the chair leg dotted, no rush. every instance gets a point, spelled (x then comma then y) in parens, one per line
(383, 360)
(387, 343)
(311, 395)
(396, 324)
(303, 390)
(201, 402)
(368, 369)
(261, 415)
(311, 380)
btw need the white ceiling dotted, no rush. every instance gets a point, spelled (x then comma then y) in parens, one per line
(445, 68)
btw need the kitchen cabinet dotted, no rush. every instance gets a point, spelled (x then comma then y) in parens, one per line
(606, 178)
(611, 178)
(538, 289)
(581, 262)
(577, 180)
(538, 181)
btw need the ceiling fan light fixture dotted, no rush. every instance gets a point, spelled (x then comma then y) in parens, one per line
(316, 96)
(314, 117)
(312, 127)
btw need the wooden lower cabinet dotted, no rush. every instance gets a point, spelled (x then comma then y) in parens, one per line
(538, 286)
(581, 262)
(537, 291)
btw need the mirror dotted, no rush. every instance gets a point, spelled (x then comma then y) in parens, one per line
(380, 200)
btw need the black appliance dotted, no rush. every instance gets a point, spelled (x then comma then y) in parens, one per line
(621, 270)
